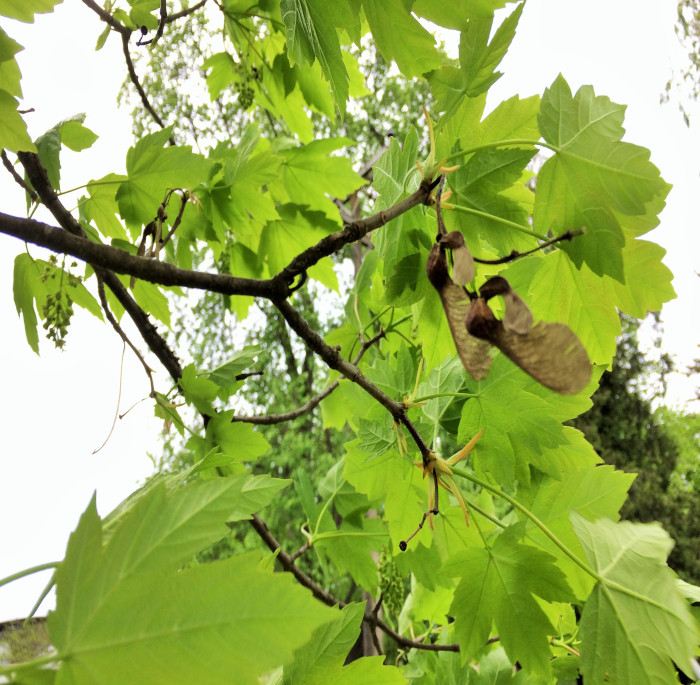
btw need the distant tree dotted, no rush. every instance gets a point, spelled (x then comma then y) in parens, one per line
(688, 32)
(626, 431)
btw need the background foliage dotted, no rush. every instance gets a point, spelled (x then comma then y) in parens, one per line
(304, 209)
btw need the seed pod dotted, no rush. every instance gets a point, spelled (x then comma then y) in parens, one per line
(436, 267)
(518, 316)
(480, 321)
(463, 269)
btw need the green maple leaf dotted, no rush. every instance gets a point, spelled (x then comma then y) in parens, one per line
(512, 119)
(582, 302)
(153, 170)
(376, 437)
(322, 659)
(14, 134)
(101, 206)
(498, 586)
(505, 448)
(240, 441)
(311, 34)
(478, 59)
(327, 649)
(237, 204)
(593, 176)
(478, 185)
(390, 479)
(594, 492)
(446, 378)
(456, 14)
(25, 11)
(198, 390)
(351, 548)
(125, 613)
(647, 281)
(400, 37)
(395, 175)
(635, 621)
(311, 173)
(226, 374)
(395, 375)
(434, 331)
(292, 233)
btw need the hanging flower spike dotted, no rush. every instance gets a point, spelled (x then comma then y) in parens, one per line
(409, 401)
(440, 468)
(429, 169)
(466, 450)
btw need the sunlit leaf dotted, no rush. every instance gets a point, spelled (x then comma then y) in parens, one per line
(635, 622)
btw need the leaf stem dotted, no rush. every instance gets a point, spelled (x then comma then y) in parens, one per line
(26, 665)
(500, 143)
(499, 220)
(89, 183)
(524, 510)
(424, 398)
(28, 572)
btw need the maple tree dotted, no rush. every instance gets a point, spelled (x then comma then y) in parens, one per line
(519, 566)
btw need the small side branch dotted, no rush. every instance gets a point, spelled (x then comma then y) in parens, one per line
(350, 234)
(287, 562)
(107, 17)
(133, 77)
(270, 419)
(18, 179)
(569, 235)
(331, 356)
(120, 332)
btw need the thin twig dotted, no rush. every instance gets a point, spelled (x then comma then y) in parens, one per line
(302, 550)
(107, 17)
(183, 13)
(178, 219)
(569, 235)
(119, 399)
(329, 599)
(120, 331)
(161, 23)
(270, 419)
(18, 179)
(135, 80)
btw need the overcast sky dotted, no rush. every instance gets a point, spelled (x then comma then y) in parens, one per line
(57, 408)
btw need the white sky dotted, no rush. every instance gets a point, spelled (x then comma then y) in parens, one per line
(57, 408)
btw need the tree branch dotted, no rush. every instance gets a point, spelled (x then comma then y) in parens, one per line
(119, 261)
(18, 179)
(73, 232)
(351, 233)
(331, 356)
(270, 419)
(183, 13)
(287, 563)
(135, 80)
(107, 17)
(120, 331)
